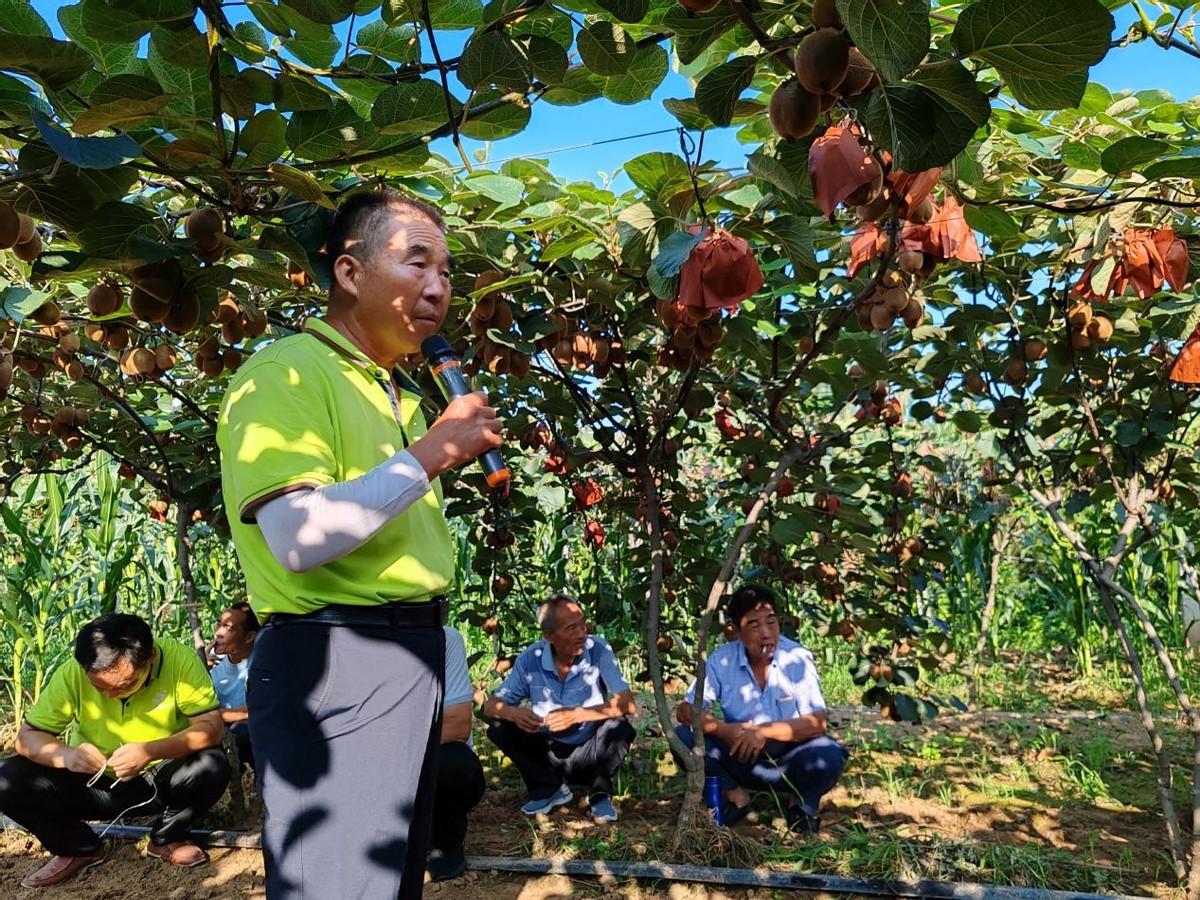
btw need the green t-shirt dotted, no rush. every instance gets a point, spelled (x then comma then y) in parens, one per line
(309, 410)
(177, 688)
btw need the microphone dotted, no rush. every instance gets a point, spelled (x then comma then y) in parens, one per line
(446, 369)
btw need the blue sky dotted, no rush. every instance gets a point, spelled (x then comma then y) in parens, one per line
(1140, 67)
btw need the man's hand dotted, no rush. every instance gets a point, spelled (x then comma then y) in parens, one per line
(465, 430)
(560, 720)
(128, 760)
(525, 719)
(86, 759)
(747, 745)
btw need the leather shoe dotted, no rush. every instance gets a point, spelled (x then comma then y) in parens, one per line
(58, 869)
(180, 853)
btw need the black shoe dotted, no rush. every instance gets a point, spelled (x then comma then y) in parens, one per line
(446, 864)
(801, 822)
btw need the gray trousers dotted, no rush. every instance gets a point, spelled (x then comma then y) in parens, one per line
(345, 724)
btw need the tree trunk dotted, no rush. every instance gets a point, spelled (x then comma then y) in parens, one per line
(183, 548)
(998, 543)
(1189, 600)
(1194, 876)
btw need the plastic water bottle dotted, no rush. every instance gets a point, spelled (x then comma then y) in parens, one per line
(712, 797)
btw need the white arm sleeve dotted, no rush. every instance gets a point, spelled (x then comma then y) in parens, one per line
(312, 527)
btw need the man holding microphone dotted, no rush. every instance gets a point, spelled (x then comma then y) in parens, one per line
(330, 483)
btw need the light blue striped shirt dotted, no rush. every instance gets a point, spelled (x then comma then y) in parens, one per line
(792, 689)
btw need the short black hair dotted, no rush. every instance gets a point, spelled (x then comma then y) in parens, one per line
(748, 598)
(357, 226)
(103, 642)
(251, 619)
(548, 612)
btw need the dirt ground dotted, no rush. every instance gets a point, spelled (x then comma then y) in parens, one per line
(965, 798)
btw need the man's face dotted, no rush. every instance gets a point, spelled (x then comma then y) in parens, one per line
(403, 289)
(121, 680)
(570, 631)
(759, 633)
(230, 634)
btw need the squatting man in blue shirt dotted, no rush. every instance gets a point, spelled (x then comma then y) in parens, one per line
(772, 732)
(228, 656)
(576, 728)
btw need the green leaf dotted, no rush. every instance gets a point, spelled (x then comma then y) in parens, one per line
(86, 152)
(659, 175)
(504, 190)
(1128, 434)
(605, 48)
(19, 17)
(1079, 155)
(694, 32)
(1035, 40)
(930, 119)
(500, 121)
(645, 73)
(968, 421)
(1128, 153)
(264, 139)
(109, 57)
(108, 233)
(547, 59)
(325, 135)
(18, 303)
(299, 183)
(689, 116)
(718, 91)
(906, 707)
(327, 12)
(316, 48)
(894, 35)
(1064, 92)
(493, 58)
(795, 236)
(399, 42)
(786, 167)
(122, 24)
(578, 86)
(565, 246)
(413, 107)
(189, 83)
(992, 221)
(254, 41)
(626, 10)
(54, 63)
(674, 251)
(1174, 167)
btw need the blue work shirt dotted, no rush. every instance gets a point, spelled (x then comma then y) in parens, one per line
(229, 681)
(593, 677)
(792, 689)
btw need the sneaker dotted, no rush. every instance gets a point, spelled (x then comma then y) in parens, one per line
(603, 809)
(446, 864)
(178, 853)
(58, 869)
(561, 797)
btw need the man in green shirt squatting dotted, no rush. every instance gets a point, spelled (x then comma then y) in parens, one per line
(146, 739)
(330, 482)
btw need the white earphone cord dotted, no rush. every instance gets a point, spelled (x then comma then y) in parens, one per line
(126, 811)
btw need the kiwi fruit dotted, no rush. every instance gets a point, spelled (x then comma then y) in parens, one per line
(142, 361)
(184, 314)
(208, 348)
(204, 226)
(212, 366)
(793, 111)
(881, 317)
(860, 75)
(910, 261)
(149, 299)
(164, 357)
(1015, 372)
(1034, 349)
(6, 376)
(922, 212)
(227, 310)
(10, 226)
(826, 102)
(874, 210)
(233, 332)
(231, 358)
(895, 299)
(103, 299)
(822, 60)
(1100, 328)
(914, 313)
(30, 250)
(865, 193)
(69, 343)
(47, 314)
(825, 14)
(973, 382)
(1079, 315)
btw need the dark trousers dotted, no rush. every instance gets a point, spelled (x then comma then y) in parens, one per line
(460, 787)
(345, 723)
(807, 770)
(240, 731)
(54, 803)
(545, 763)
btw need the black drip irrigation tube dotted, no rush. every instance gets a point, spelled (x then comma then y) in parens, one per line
(659, 871)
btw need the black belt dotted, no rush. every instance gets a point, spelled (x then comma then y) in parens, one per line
(426, 613)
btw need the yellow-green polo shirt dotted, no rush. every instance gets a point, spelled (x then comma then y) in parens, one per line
(308, 410)
(177, 688)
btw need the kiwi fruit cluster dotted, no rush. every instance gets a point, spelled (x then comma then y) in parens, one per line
(205, 228)
(1087, 328)
(695, 334)
(827, 68)
(893, 300)
(19, 234)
